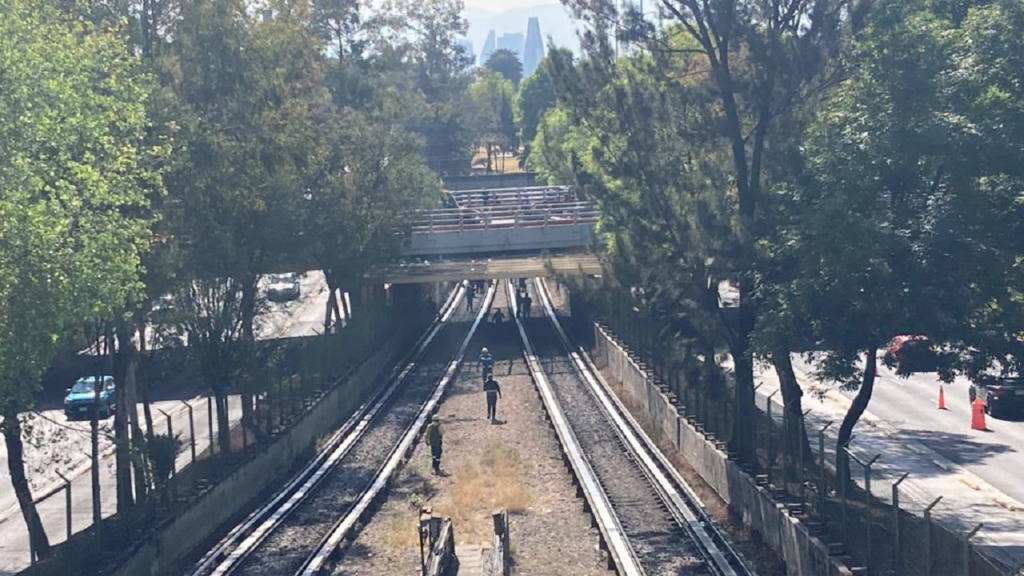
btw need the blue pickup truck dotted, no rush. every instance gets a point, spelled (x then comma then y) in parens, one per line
(80, 397)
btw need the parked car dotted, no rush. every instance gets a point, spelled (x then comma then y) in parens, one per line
(283, 287)
(79, 399)
(909, 353)
(1002, 395)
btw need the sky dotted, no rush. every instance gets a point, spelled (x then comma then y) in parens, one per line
(503, 5)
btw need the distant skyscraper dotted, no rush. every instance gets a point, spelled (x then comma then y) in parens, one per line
(533, 52)
(512, 41)
(489, 48)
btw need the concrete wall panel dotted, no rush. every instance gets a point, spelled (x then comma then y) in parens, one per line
(803, 553)
(177, 538)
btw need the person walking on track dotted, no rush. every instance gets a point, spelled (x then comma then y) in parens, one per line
(493, 392)
(435, 438)
(470, 294)
(486, 362)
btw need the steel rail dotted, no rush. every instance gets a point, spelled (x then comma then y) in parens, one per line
(247, 536)
(316, 563)
(619, 548)
(674, 491)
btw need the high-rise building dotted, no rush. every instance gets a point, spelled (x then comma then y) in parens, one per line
(533, 51)
(512, 41)
(489, 48)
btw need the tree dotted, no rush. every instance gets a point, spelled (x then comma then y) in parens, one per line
(245, 97)
(370, 174)
(490, 95)
(535, 97)
(907, 218)
(338, 23)
(72, 174)
(507, 64)
(426, 33)
(721, 76)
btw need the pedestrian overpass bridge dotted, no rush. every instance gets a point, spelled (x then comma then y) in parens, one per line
(505, 221)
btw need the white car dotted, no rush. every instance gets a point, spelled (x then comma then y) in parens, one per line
(283, 287)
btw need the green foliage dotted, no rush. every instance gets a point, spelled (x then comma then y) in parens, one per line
(507, 64)
(74, 176)
(369, 175)
(160, 452)
(557, 149)
(909, 216)
(535, 97)
(491, 96)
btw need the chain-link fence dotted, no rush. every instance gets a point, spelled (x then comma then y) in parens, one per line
(878, 519)
(291, 376)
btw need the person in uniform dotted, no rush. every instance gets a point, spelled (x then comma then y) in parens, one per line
(493, 392)
(435, 438)
(486, 362)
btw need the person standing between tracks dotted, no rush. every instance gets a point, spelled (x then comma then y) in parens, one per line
(527, 304)
(470, 295)
(435, 438)
(486, 362)
(493, 392)
(499, 317)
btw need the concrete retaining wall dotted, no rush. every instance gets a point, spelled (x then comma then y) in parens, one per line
(803, 553)
(163, 553)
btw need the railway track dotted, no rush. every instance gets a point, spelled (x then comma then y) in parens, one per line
(300, 529)
(651, 522)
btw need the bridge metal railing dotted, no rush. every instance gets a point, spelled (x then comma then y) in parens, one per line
(505, 196)
(498, 217)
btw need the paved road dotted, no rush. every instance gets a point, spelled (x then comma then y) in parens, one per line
(972, 470)
(911, 405)
(64, 446)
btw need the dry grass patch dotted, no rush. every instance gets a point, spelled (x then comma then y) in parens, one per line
(402, 531)
(479, 488)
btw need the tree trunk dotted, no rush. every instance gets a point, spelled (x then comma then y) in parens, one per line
(143, 387)
(332, 316)
(16, 467)
(857, 408)
(128, 359)
(743, 410)
(94, 435)
(249, 290)
(122, 443)
(795, 433)
(223, 422)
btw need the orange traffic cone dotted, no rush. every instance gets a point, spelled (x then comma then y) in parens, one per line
(978, 415)
(942, 397)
